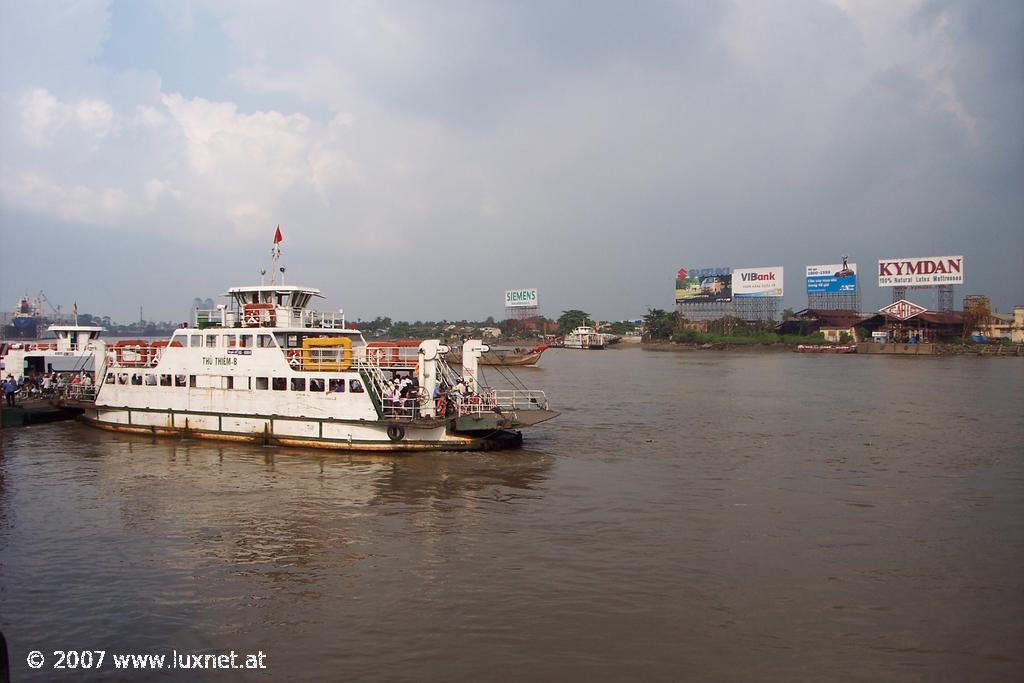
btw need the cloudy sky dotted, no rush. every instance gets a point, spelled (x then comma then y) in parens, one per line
(422, 157)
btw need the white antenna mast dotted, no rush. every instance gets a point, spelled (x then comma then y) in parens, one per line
(275, 255)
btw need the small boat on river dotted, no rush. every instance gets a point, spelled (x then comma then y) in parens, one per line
(504, 356)
(826, 348)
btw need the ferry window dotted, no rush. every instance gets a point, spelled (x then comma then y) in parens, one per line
(265, 341)
(110, 378)
(293, 341)
(298, 383)
(211, 340)
(165, 380)
(192, 381)
(262, 383)
(136, 379)
(150, 380)
(316, 385)
(228, 382)
(196, 340)
(355, 386)
(179, 380)
(336, 386)
(230, 340)
(122, 378)
(280, 384)
(245, 341)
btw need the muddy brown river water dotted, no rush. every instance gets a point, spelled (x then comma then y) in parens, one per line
(689, 516)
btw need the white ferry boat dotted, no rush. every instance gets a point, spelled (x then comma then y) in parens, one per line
(584, 338)
(72, 350)
(269, 369)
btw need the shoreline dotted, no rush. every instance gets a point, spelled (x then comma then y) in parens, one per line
(995, 351)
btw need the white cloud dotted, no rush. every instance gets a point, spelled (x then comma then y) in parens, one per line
(204, 160)
(95, 117)
(42, 115)
(599, 133)
(91, 205)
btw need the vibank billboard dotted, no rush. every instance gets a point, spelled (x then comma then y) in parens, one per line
(748, 282)
(928, 271)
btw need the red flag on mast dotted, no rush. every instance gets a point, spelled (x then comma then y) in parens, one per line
(277, 235)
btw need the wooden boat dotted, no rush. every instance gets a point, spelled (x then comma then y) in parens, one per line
(504, 357)
(826, 348)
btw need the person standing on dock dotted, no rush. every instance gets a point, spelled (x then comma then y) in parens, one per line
(9, 388)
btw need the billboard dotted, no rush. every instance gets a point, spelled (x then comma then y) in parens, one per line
(703, 285)
(929, 271)
(747, 282)
(832, 278)
(521, 298)
(903, 310)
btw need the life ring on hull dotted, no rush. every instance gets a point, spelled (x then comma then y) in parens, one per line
(295, 358)
(396, 432)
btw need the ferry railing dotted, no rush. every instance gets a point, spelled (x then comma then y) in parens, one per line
(396, 356)
(207, 317)
(77, 392)
(321, 358)
(377, 384)
(502, 399)
(322, 320)
(279, 316)
(446, 374)
(403, 408)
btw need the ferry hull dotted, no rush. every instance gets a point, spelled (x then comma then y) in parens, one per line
(299, 433)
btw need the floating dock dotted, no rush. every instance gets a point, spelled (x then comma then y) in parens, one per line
(897, 349)
(36, 412)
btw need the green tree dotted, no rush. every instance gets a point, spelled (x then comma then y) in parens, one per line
(621, 328)
(571, 319)
(658, 324)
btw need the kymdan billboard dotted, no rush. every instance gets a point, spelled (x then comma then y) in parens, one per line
(757, 281)
(832, 278)
(702, 285)
(927, 271)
